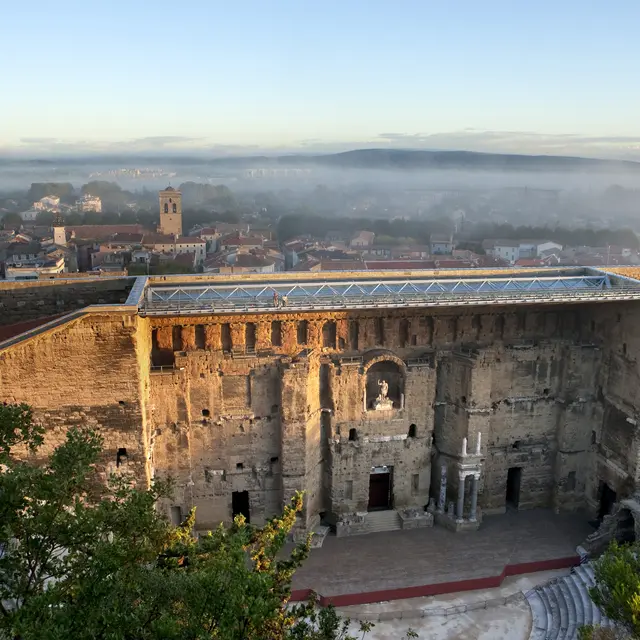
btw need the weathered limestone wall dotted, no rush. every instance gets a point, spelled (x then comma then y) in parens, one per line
(21, 301)
(83, 373)
(275, 403)
(615, 448)
(218, 432)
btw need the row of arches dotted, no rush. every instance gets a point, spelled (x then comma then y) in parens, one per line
(174, 207)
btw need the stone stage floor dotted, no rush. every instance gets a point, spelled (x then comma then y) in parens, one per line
(399, 559)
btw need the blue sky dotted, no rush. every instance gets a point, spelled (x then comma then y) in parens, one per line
(547, 76)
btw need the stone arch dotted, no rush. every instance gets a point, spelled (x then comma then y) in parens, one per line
(386, 367)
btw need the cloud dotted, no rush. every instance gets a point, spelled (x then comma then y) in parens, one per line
(38, 140)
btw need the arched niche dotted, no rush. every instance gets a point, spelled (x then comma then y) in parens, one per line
(385, 384)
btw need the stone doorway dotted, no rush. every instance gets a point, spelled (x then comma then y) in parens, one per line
(608, 498)
(514, 476)
(240, 504)
(380, 491)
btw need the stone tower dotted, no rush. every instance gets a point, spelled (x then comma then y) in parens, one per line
(59, 232)
(170, 212)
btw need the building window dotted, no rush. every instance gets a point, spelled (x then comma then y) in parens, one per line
(303, 329)
(200, 337)
(276, 333)
(176, 516)
(175, 208)
(329, 335)
(412, 431)
(166, 208)
(121, 456)
(353, 435)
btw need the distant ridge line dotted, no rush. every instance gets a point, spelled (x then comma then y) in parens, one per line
(384, 159)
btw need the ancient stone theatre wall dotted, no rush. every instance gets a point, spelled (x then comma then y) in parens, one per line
(244, 410)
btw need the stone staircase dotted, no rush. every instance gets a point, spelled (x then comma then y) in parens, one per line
(381, 521)
(560, 607)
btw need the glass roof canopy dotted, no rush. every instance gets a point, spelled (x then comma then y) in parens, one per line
(394, 292)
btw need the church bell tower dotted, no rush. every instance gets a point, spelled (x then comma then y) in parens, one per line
(170, 212)
(59, 232)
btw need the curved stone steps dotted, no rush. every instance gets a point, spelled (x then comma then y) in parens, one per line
(540, 623)
(560, 607)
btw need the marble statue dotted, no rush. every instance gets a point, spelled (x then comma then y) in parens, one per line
(383, 402)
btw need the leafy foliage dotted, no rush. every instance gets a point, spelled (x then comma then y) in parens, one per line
(64, 190)
(617, 591)
(85, 560)
(11, 221)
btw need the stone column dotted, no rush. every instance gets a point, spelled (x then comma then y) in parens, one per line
(263, 335)
(188, 337)
(460, 509)
(474, 498)
(237, 335)
(442, 498)
(289, 336)
(213, 336)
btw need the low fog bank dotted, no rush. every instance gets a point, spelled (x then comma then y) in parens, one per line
(557, 191)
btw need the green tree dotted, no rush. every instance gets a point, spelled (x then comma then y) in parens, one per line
(61, 531)
(11, 221)
(617, 592)
(86, 560)
(73, 218)
(64, 190)
(44, 218)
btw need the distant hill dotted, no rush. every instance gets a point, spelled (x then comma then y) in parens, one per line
(408, 160)
(399, 159)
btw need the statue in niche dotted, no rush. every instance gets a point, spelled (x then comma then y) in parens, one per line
(382, 402)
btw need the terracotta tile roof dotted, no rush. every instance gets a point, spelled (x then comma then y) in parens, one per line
(399, 264)
(103, 231)
(157, 238)
(190, 240)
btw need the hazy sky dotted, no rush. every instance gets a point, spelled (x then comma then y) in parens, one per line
(322, 73)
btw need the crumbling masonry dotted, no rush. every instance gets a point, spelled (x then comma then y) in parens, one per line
(534, 405)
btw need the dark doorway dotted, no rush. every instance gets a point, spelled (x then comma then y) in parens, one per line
(513, 487)
(200, 337)
(329, 335)
(225, 336)
(607, 499)
(240, 504)
(379, 491)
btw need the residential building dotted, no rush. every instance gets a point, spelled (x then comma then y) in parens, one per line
(48, 203)
(33, 269)
(362, 240)
(89, 203)
(192, 244)
(210, 235)
(507, 250)
(160, 242)
(441, 244)
(239, 263)
(237, 241)
(30, 215)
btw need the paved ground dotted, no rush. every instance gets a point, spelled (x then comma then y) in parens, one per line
(397, 559)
